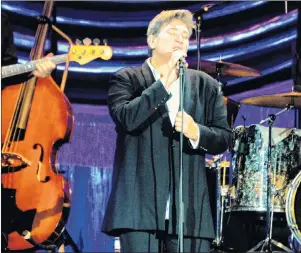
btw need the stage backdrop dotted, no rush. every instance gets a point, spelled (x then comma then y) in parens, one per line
(87, 161)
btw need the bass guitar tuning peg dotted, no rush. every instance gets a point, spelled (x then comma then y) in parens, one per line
(96, 41)
(78, 42)
(87, 41)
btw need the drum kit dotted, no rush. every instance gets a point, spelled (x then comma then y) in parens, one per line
(265, 163)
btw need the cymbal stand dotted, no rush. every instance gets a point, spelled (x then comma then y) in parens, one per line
(217, 241)
(268, 241)
(220, 190)
(221, 193)
(218, 75)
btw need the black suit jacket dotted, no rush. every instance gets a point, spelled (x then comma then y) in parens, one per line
(146, 166)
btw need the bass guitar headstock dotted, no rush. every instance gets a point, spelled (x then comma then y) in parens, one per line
(85, 52)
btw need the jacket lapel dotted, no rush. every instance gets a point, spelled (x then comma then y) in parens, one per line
(147, 79)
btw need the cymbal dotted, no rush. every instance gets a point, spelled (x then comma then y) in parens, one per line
(280, 100)
(228, 69)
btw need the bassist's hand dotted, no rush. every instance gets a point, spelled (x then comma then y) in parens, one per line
(45, 66)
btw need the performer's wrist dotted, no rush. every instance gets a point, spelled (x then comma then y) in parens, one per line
(196, 131)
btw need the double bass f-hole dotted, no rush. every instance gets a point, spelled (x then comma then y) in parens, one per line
(40, 164)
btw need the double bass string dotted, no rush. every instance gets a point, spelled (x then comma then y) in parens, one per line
(35, 53)
(8, 146)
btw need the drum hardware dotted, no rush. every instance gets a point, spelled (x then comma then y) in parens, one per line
(232, 110)
(221, 84)
(221, 193)
(268, 241)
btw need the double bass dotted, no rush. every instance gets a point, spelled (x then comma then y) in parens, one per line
(37, 118)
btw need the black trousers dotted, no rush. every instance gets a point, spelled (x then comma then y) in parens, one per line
(147, 241)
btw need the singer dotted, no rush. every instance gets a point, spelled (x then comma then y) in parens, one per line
(144, 102)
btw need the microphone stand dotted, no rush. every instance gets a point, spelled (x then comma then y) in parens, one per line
(199, 18)
(182, 66)
(221, 191)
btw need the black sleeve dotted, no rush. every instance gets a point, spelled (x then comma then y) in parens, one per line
(9, 52)
(215, 137)
(129, 111)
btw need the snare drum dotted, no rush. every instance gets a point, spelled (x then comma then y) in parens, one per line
(293, 207)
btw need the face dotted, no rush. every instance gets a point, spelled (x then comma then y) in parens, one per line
(173, 36)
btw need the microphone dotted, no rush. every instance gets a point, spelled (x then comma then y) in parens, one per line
(182, 62)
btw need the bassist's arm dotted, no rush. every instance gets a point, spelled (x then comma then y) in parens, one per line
(15, 79)
(9, 52)
(9, 56)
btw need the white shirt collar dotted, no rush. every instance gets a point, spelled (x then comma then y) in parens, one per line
(155, 72)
